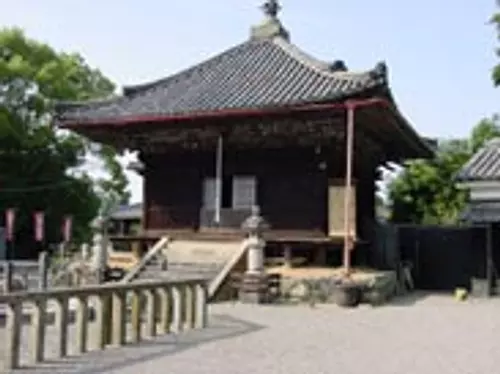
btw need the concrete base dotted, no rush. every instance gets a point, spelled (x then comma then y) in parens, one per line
(479, 288)
(254, 289)
(253, 297)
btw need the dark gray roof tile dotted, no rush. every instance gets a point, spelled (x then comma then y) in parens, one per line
(259, 73)
(483, 165)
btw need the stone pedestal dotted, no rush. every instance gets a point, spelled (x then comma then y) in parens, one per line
(254, 288)
(255, 255)
(479, 288)
(348, 295)
(254, 283)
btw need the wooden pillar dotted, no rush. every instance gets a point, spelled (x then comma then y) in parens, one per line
(348, 239)
(320, 256)
(136, 249)
(287, 256)
(218, 180)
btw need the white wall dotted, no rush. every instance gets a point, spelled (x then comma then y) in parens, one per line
(483, 190)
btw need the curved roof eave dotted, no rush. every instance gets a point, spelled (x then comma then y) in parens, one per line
(407, 127)
(254, 74)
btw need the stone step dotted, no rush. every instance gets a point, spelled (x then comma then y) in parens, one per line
(195, 273)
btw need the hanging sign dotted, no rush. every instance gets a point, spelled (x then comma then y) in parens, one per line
(67, 228)
(10, 218)
(39, 226)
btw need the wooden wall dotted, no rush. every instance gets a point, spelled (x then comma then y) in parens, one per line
(172, 191)
(292, 189)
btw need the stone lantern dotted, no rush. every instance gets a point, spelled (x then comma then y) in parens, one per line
(254, 282)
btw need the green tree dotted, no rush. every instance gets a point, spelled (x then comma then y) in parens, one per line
(41, 165)
(496, 70)
(425, 192)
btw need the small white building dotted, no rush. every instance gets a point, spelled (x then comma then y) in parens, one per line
(481, 176)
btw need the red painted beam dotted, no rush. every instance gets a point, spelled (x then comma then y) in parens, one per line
(226, 113)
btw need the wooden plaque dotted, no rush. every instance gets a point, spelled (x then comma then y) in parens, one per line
(336, 194)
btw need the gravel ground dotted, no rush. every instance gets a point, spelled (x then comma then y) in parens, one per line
(424, 334)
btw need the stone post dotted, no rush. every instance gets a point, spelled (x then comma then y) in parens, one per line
(101, 248)
(201, 306)
(254, 287)
(85, 252)
(62, 251)
(8, 271)
(43, 270)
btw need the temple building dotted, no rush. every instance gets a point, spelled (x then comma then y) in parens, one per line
(260, 124)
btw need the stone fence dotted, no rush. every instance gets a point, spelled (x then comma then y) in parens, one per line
(19, 275)
(176, 305)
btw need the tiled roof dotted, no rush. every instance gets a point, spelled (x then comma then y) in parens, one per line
(484, 164)
(133, 211)
(259, 73)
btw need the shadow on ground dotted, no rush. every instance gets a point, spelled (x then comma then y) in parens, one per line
(418, 297)
(113, 359)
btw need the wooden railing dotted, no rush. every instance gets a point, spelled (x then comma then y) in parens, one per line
(154, 251)
(171, 306)
(229, 218)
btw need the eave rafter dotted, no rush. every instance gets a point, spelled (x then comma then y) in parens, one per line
(373, 133)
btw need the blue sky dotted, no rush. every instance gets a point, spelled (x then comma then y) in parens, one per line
(439, 53)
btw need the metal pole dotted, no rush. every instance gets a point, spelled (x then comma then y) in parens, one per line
(348, 240)
(218, 180)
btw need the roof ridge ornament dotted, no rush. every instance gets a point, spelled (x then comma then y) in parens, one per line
(271, 27)
(271, 8)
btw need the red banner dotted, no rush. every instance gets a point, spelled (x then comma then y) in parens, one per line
(39, 226)
(67, 228)
(10, 218)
